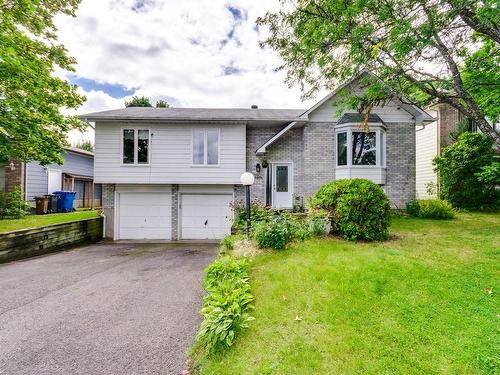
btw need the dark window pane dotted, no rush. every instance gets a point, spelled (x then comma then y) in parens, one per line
(142, 146)
(128, 146)
(198, 147)
(282, 179)
(363, 148)
(342, 149)
(213, 146)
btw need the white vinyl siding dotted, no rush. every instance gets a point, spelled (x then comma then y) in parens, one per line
(426, 150)
(389, 112)
(171, 157)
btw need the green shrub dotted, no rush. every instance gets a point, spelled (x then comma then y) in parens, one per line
(224, 268)
(13, 205)
(227, 243)
(258, 213)
(275, 233)
(226, 308)
(413, 208)
(430, 209)
(359, 208)
(460, 167)
(318, 221)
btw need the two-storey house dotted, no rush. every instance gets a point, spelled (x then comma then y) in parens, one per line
(174, 173)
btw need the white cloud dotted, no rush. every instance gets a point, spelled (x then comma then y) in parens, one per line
(177, 50)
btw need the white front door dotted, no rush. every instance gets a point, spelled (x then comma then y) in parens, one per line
(282, 181)
(206, 216)
(144, 215)
(54, 180)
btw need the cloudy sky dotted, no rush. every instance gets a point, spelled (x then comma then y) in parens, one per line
(191, 53)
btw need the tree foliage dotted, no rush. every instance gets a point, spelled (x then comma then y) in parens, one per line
(421, 50)
(85, 145)
(138, 101)
(162, 104)
(31, 124)
(465, 169)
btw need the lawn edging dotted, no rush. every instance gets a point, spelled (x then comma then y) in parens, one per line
(31, 242)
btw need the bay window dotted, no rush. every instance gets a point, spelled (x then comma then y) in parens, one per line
(360, 153)
(135, 146)
(205, 145)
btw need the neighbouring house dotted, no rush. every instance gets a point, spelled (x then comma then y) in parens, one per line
(173, 173)
(76, 174)
(430, 140)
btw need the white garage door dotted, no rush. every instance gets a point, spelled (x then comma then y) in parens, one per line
(145, 216)
(206, 216)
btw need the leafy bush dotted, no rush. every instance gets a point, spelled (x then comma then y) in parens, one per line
(227, 242)
(226, 307)
(13, 205)
(430, 209)
(359, 208)
(258, 213)
(224, 268)
(460, 168)
(413, 208)
(275, 233)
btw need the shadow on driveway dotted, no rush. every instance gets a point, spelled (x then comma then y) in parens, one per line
(102, 309)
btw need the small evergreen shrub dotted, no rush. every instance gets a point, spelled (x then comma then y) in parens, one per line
(359, 208)
(13, 205)
(430, 209)
(226, 308)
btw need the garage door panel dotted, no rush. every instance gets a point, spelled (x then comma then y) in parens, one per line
(126, 210)
(139, 199)
(149, 222)
(144, 215)
(205, 216)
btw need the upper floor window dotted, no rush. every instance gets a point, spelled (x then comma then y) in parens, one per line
(205, 146)
(135, 146)
(360, 148)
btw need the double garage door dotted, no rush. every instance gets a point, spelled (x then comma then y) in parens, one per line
(148, 215)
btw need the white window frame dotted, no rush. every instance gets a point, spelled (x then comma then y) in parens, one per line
(136, 146)
(205, 148)
(380, 154)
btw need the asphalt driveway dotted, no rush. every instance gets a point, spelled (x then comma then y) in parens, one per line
(102, 309)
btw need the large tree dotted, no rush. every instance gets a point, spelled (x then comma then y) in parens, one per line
(420, 50)
(31, 96)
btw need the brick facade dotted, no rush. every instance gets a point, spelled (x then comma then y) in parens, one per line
(449, 118)
(14, 177)
(175, 212)
(312, 151)
(108, 207)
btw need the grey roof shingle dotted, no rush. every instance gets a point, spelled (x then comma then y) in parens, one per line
(358, 117)
(148, 113)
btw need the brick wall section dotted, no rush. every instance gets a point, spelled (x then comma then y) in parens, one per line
(400, 154)
(312, 150)
(319, 156)
(288, 148)
(14, 177)
(108, 207)
(449, 118)
(175, 212)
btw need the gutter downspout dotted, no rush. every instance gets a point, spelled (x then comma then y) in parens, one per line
(103, 224)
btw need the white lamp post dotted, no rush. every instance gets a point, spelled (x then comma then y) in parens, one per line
(247, 179)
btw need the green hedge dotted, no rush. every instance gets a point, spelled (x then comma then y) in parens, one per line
(430, 209)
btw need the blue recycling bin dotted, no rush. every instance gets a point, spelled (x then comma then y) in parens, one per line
(65, 200)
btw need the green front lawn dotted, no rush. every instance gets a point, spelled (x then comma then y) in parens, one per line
(417, 304)
(33, 221)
